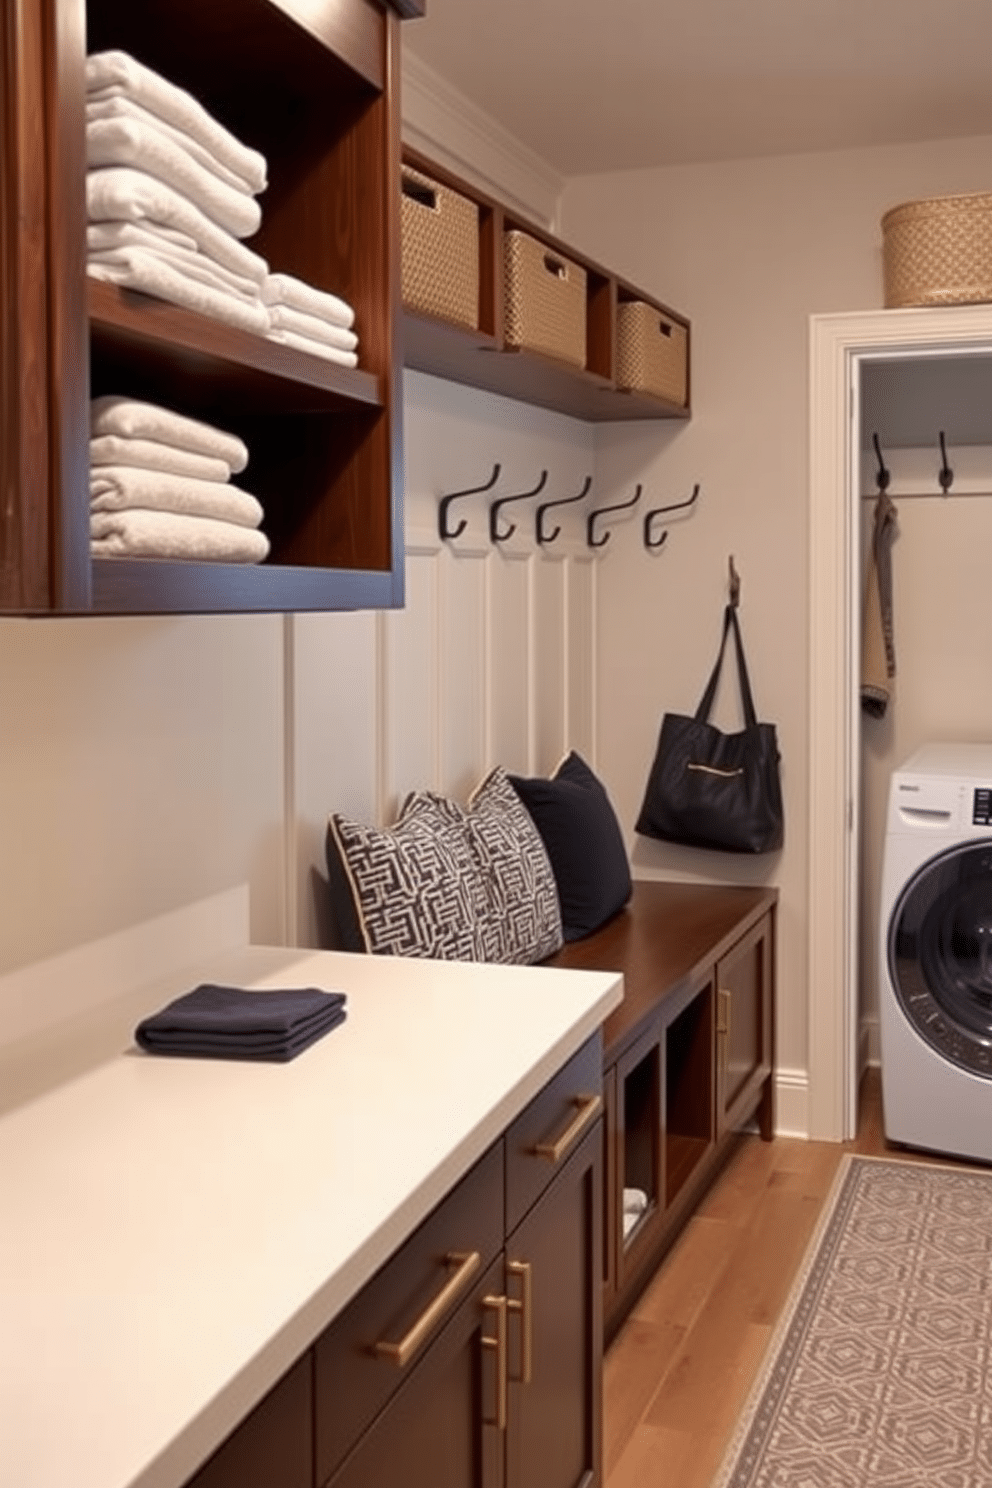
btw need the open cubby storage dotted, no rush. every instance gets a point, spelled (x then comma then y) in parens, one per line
(311, 86)
(688, 1059)
(482, 358)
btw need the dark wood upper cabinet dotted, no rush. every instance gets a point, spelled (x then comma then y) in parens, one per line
(314, 88)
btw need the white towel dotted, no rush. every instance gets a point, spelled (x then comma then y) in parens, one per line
(313, 348)
(107, 237)
(149, 454)
(126, 108)
(147, 148)
(133, 419)
(284, 289)
(113, 74)
(285, 318)
(116, 488)
(137, 268)
(117, 193)
(156, 534)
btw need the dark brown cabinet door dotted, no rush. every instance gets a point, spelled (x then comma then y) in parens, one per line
(744, 1029)
(442, 1428)
(554, 1283)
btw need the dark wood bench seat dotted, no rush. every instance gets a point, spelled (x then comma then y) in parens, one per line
(688, 1059)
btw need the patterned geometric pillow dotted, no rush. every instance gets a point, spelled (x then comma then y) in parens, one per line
(522, 923)
(415, 888)
(446, 882)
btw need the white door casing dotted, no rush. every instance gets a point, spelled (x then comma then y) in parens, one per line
(839, 346)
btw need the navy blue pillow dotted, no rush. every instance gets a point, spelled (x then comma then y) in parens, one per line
(582, 836)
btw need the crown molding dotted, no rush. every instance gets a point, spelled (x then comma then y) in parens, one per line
(443, 124)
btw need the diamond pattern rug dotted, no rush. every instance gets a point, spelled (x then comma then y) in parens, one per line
(880, 1371)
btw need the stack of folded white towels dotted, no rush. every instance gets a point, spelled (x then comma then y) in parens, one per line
(159, 487)
(310, 319)
(170, 194)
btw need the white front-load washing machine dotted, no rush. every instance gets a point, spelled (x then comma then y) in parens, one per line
(935, 963)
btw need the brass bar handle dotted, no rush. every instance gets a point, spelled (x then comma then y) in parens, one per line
(524, 1306)
(589, 1107)
(402, 1352)
(723, 1011)
(499, 1343)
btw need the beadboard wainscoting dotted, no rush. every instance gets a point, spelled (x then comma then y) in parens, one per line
(492, 661)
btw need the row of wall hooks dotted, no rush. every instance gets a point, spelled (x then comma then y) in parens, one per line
(883, 476)
(501, 529)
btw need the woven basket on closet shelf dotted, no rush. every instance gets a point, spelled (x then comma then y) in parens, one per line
(440, 253)
(938, 252)
(651, 352)
(544, 300)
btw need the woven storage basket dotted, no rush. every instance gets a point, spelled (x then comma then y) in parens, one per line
(440, 235)
(651, 352)
(545, 300)
(938, 252)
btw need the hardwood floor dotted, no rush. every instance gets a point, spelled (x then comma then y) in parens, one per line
(678, 1372)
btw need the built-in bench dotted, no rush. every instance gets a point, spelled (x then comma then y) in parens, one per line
(688, 1059)
(536, 870)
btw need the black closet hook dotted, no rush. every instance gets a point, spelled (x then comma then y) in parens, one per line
(600, 542)
(883, 477)
(946, 474)
(494, 533)
(549, 537)
(657, 542)
(735, 584)
(442, 510)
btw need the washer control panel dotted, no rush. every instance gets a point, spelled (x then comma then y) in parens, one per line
(981, 811)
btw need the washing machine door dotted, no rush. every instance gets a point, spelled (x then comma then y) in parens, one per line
(940, 954)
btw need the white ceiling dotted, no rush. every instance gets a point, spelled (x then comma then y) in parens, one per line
(604, 85)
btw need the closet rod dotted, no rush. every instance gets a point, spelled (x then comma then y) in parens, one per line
(926, 495)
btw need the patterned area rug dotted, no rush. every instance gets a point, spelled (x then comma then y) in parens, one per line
(880, 1371)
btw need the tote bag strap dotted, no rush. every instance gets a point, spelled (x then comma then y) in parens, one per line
(706, 702)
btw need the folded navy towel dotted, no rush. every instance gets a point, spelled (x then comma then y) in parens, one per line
(236, 1023)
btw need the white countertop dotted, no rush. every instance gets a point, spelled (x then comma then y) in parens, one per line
(174, 1233)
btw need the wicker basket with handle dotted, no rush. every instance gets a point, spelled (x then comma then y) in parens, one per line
(440, 254)
(651, 352)
(938, 252)
(545, 300)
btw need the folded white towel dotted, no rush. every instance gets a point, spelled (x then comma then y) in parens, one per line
(117, 193)
(313, 348)
(126, 108)
(107, 237)
(149, 454)
(138, 268)
(157, 534)
(635, 1201)
(132, 419)
(285, 318)
(115, 73)
(284, 289)
(122, 488)
(146, 148)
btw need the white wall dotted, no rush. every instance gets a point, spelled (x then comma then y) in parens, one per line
(748, 250)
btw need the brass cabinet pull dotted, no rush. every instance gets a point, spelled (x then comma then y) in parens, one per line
(402, 1352)
(722, 1011)
(499, 1343)
(523, 1306)
(589, 1107)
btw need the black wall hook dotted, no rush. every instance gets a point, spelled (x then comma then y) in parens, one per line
(883, 477)
(734, 583)
(656, 542)
(495, 535)
(600, 542)
(442, 511)
(549, 537)
(946, 474)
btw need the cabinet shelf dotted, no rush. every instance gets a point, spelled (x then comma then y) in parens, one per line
(478, 356)
(311, 84)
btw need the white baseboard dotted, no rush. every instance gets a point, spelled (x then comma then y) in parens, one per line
(791, 1103)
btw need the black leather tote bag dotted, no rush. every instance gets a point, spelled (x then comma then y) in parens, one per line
(716, 790)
